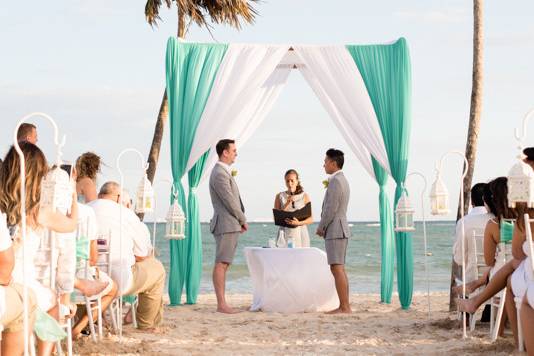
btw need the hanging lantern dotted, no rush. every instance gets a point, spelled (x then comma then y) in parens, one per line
(144, 202)
(56, 190)
(404, 215)
(439, 197)
(521, 184)
(175, 227)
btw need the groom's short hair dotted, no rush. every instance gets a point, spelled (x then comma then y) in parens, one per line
(336, 156)
(222, 145)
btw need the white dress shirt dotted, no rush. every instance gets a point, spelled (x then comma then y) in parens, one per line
(135, 238)
(225, 166)
(474, 223)
(333, 175)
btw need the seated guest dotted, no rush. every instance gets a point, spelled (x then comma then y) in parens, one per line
(496, 200)
(292, 199)
(38, 220)
(27, 133)
(496, 196)
(523, 274)
(87, 167)
(91, 281)
(139, 273)
(506, 276)
(11, 298)
(474, 222)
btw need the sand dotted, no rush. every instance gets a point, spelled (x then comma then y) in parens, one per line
(373, 328)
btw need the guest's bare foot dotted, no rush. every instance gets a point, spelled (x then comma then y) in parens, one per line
(466, 305)
(225, 309)
(340, 311)
(90, 288)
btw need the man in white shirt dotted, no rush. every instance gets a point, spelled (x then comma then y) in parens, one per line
(142, 274)
(474, 222)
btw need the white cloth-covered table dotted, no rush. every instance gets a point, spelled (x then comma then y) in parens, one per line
(290, 280)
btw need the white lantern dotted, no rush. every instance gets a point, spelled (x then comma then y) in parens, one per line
(144, 202)
(521, 184)
(175, 227)
(439, 197)
(56, 190)
(404, 215)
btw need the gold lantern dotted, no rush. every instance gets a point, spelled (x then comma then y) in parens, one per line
(144, 202)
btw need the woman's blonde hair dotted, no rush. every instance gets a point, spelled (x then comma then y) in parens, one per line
(36, 169)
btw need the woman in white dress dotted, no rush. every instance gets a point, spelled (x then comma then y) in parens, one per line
(37, 220)
(292, 199)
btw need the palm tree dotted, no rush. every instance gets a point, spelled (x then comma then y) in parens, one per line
(230, 12)
(474, 115)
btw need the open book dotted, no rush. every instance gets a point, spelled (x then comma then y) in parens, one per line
(280, 216)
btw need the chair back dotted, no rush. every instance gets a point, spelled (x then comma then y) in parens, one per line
(477, 241)
(104, 254)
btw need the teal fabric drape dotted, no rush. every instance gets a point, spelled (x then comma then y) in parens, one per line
(194, 243)
(387, 242)
(190, 70)
(386, 71)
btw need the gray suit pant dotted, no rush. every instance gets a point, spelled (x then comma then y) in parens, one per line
(226, 245)
(336, 250)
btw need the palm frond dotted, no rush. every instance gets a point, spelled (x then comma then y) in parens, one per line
(152, 10)
(230, 12)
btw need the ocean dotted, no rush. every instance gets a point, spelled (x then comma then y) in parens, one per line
(363, 256)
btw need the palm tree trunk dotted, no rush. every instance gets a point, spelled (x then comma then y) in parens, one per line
(475, 112)
(163, 116)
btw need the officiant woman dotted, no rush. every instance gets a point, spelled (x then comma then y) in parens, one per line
(293, 198)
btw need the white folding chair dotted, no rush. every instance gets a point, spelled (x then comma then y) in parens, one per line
(104, 263)
(504, 254)
(477, 243)
(47, 268)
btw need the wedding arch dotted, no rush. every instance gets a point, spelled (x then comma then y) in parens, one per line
(218, 91)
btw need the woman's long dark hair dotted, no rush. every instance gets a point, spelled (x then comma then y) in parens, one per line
(299, 189)
(496, 198)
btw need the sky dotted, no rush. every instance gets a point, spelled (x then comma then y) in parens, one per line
(98, 68)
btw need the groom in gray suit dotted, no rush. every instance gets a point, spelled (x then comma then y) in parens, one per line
(228, 218)
(333, 226)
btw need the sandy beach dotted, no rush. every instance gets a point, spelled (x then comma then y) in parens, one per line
(372, 329)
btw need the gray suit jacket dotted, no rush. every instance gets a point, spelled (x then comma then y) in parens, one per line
(334, 213)
(228, 210)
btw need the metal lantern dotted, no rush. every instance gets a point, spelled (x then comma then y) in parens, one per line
(56, 190)
(175, 227)
(439, 197)
(144, 202)
(521, 184)
(404, 215)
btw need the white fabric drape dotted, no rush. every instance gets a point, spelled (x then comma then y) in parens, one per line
(250, 79)
(247, 84)
(337, 82)
(252, 116)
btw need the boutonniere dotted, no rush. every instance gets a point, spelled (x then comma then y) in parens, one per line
(325, 183)
(234, 172)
